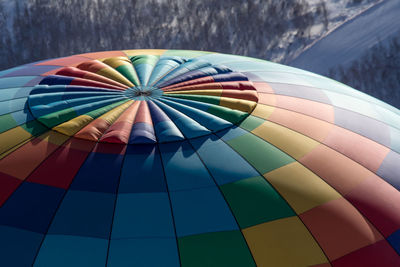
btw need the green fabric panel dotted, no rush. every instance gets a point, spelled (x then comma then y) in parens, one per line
(55, 118)
(251, 122)
(259, 153)
(231, 115)
(7, 122)
(144, 59)
(129, 72)
(215, 100)
(34, 127)
(185, 53)
(215, 249)
(100, 111)
(254, 201)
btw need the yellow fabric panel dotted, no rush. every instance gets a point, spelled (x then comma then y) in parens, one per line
(72, 126)
(289, 141)
(216, 92)
(135, 52)
(301, 188)
(15, 148)
(263, 111)
(284, 242)
(54, 137)
(114, 75)
(115, 62)
(13, 137)
(113, 114)
(238, 104)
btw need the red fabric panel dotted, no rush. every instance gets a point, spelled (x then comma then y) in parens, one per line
(379, 202)
(75, 72)
(380, 254)
(8, 184)
(339, 228)
(60, 168)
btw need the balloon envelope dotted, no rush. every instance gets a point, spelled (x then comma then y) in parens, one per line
(173, 157)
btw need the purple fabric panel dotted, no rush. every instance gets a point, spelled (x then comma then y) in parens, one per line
(390, 169)
(157, 115)
(31, 70)
(142, 133)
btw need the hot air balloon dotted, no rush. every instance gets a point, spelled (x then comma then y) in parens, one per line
(191, 158)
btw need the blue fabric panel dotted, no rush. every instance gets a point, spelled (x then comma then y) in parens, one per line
(7, 71)
(50, 97)
(143, 72)
(189, 127)
(13, 105)
(18, 247)
(230, 77)
(165, 129)
(10, 82)
(142, 252)
(142, 133)
(45, 89)
(231, 133)
(394, 240)
(84, 214)
(22, 116)
(142, 215)
(390, 169)
(190, 65)
(183, 168)
(31, 207)
(191, 75)
(57, 80)
(67, 251)
(194, 104)
(17, 92)
(163, 66)
(99, 173)
(142, 170)
(82, 109)
(200, 211)
(216, 154)
(208, 120)
(81, 105)
(197, 73)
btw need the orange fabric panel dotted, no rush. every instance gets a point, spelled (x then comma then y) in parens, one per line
(92, 66)
(337, 170)
(263, 87)
(143, 114)
(361, 149)
(104, 54)
(65, 61)
(75, 72)
(240, 94)
(24, 160)
(93, 130)
(267, 99)
(120, 131)
(311, 108)
(309, 126)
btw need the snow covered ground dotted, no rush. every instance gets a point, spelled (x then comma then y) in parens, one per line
(347, 42)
